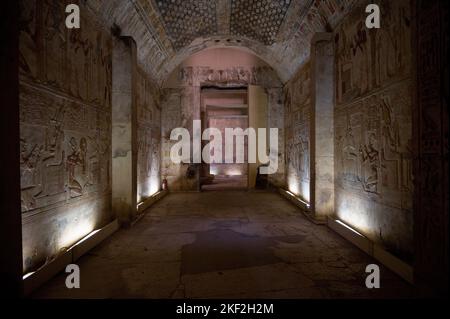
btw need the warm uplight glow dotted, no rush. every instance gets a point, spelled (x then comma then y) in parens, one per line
(148, 189)
(153, 195)
(28, 275)
(234, 172)
(293, 185)
(298, 199)
(86, 237)
(305, 191)
(89, 235)
(73, 233)
(154, 185)
(355, 213)
(299, 188)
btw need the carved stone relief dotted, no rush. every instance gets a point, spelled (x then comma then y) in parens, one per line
(148, 136)
(65, 115)
(370, 59)
(235, 76)
(297, 123)
(179, 107)
(373, 126)
(374, 143)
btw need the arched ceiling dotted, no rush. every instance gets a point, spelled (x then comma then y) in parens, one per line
(168, 31)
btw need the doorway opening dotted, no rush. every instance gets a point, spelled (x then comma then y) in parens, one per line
(225, 108)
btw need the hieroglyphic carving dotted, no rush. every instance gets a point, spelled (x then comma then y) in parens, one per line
(76, 160)
(54, 40)
(61, 155)
(374, 156)
(373, 124)
(369, 59)
(65, 132)
(148, 135)
(51, 55)
(235, 76)
(374, 137)
(297, 123)
(29, 40)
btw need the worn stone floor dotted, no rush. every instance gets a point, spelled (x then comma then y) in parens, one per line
(225, 245)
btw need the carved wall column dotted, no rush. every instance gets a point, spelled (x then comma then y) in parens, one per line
(124, 124)
(322, 126)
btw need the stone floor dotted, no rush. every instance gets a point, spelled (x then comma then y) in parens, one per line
(225, 245)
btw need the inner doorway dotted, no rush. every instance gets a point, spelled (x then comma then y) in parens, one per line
(225, 108)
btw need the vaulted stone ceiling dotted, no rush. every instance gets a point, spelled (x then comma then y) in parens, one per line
(169, 31)
(185, 20)
(259, 20)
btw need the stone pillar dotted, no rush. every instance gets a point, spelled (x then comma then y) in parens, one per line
(322, 126)
(124, 148)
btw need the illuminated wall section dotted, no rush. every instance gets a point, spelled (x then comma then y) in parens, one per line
(148, 137)
(65, 115)
(297, 117)
(373, 126)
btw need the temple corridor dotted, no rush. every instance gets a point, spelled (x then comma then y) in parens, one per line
(269, 149)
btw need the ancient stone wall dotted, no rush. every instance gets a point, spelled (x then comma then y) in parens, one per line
(177, 110)
(65, 115)
(297, 118)
(373, 126)
(148, 136)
